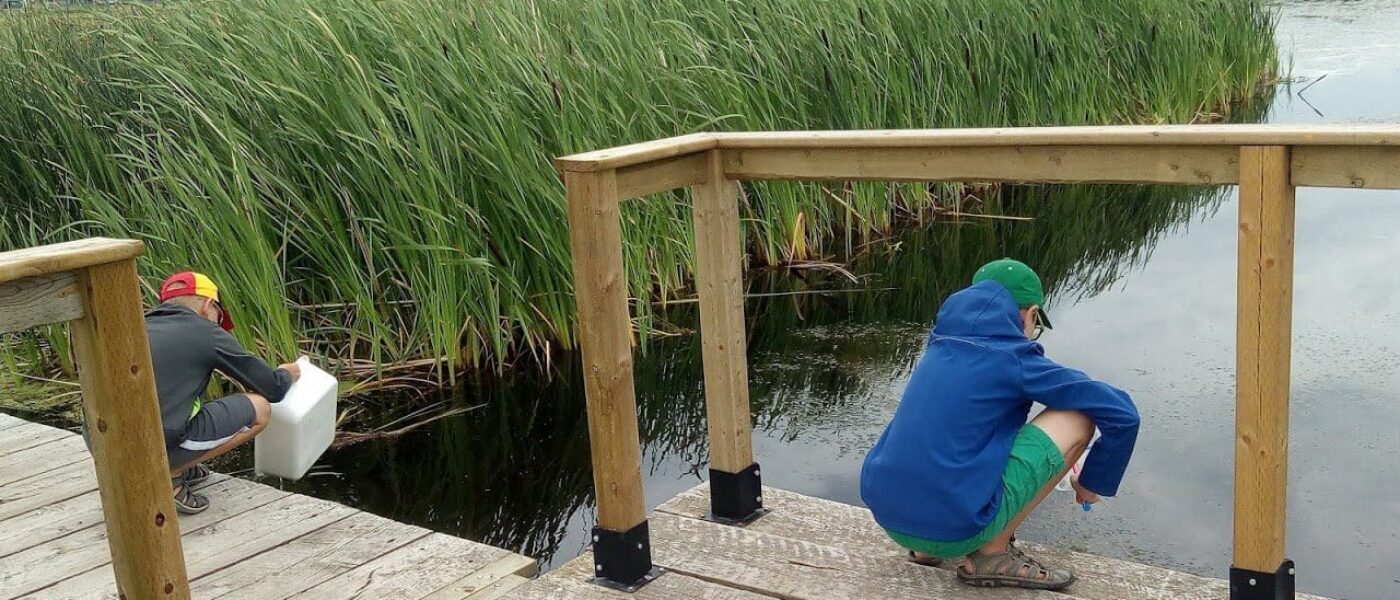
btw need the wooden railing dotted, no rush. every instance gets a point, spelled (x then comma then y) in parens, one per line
(1267, 162)
(92, 285)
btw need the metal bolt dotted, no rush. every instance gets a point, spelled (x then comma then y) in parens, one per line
(598, 568)
(1252, 581)
(595, 539)
(1290, 571)
(759, 499)
(639, 545)
(757, 473)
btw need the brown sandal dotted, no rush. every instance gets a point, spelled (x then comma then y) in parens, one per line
(1012, 568)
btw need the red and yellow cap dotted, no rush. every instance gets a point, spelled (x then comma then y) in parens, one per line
(189, 283)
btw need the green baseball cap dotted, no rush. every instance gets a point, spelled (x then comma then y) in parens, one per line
(1020, 280)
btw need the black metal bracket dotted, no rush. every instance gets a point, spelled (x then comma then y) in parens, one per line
(1257, 585)
(736, 498)
(622, 559)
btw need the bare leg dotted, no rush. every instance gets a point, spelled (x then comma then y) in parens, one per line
(261, 410)
(1071, 431)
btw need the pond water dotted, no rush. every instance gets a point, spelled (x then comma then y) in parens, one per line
(1143, 295)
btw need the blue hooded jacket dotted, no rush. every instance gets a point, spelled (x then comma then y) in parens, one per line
(936, 471)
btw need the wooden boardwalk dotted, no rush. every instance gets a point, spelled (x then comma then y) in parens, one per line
(813, 549)
(254, 542)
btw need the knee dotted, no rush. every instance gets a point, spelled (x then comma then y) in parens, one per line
(1070, 429)
(262, 411)
(1082, 425)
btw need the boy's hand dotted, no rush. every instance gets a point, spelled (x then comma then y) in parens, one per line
(293, 369)
(1081, 493)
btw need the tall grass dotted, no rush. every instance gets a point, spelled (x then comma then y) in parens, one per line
(372, 178)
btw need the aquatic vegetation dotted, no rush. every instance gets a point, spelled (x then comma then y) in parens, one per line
(372, 179)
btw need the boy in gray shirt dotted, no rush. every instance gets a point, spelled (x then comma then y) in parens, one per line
(189, 337)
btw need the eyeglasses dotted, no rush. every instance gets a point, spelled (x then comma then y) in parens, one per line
(1039, 327)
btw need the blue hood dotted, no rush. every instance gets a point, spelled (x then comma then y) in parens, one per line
(985, 309)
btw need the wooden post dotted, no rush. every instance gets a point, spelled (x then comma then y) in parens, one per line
(128, 446)
(622, 548)
(1264, 336)
(736, 492)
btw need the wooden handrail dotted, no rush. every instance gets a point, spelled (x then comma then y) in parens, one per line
(1267, 161)
(92, 285)
(1125, 135)
(67, 256)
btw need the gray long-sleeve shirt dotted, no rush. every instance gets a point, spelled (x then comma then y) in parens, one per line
(185, 351)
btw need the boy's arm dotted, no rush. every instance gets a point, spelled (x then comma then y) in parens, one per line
(232, 360)
(1110, 409)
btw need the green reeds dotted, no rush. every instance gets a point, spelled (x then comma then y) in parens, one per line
(372, 179)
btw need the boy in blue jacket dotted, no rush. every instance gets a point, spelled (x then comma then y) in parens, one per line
(959, 468)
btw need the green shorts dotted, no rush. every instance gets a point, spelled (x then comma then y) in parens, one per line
(1035, 460)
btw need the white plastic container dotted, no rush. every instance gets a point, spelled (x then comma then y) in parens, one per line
(302, 425)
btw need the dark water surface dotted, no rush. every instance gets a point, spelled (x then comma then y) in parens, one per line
(1143, 282)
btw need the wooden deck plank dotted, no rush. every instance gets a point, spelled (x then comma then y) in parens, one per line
(495, 591)
(28, 435)
(571, 581)
(413, 571)
(796, 569)
(57, 519)
(309, 560)
(41, 459)
(72, 561)
(8, 421)
(19, 497)
(224, 541)
(50, 523)
(491, 581)
(255, 541)
(851, 528)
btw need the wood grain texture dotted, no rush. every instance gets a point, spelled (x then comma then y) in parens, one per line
(1346, 166)
(77, 565)
(39, 300)
(68, 256)
(40, 459)
(719, 274)
(50, 522)
(128, 442)
(1263, 341)
(785, 567)
(605, 337)
(413, 571)
(255, 541)
(19, 497)
(1118, 135)
(491, 581)
(29, 435)
(309, 560)
(1114, 135)
(635, 154)
(661, 176)
(852, 529)
(1049, 164)
(493, 591)
(571, 581)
